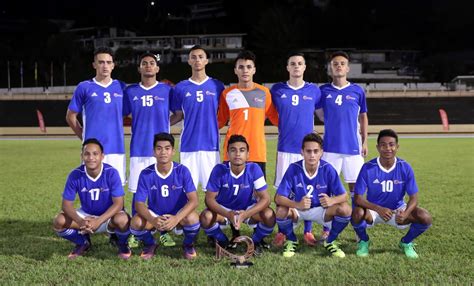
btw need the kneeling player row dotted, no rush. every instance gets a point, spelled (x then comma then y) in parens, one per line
(237, 193)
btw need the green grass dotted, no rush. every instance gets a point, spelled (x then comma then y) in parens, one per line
(33, 173)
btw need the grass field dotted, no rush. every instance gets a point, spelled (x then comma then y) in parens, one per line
(33, 173)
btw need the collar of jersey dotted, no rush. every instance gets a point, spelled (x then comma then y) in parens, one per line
(340, 88)
(103, 85)
(385, 170)
(237, 176)
(315, 173)
(198, 83)
(150, 87)
(98, 176)
(297, 87)
(167, 175)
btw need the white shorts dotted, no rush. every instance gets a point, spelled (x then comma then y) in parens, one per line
(314, 214)
(200, 164)
(377, 219)
(137, 164)
(350, 164)
(284, 160)
(102, 228)
(118, 162)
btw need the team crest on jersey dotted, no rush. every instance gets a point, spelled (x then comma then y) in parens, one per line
(307, 97)
(397, 182)
(376, 181)
(153, 188)
(84, 190)
(104, 189)
(299, 185)
(94, 94)
(117, 94)
(188, 94)
(174, 187)
(284, 96)
(318, 186)
(159, 98)
(348, 97)
(210, 92)
(256, 99)
(244, 186)
(329, 96)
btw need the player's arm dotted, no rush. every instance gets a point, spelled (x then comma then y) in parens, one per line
(320, 114)
(263, 202)
(401, 216)
(176, 117)
(70, 211)
(360, 201)
(223, 113)
(214, 206)
(303, 204)
(71, 119)
(327, 201)
(117, 205)
(144, 212)
(364, 125)
(189, 207)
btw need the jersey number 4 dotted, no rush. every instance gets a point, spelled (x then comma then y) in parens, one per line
(338, 100)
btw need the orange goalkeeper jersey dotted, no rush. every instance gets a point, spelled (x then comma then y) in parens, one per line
(246, 109)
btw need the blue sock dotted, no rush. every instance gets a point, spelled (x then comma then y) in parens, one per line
(360, 229)
(122, 237)
(261, 232)
(216, 232)
(143, 235)
(338, 225)
(415, 230)
(308, 226)
(286, 226)
(72, 235)
(190, 233)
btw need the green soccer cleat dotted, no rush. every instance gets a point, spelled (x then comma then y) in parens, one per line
(166, 240)
(363, 248)
(133, 242)
(409, 249)
(289, 248)
(334, 249)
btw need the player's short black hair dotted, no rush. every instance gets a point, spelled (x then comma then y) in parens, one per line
(312, 137)
(294, 54)
(104, 50)
(387, 133)
(339, 54)
(163, 136)
(156, 57)
(246, 55)
(199, 47)
(237, 138)
(93, 141)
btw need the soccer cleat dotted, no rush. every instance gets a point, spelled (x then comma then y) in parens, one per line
(334, 249)
(113, 239)
(166, 240)
(124, 252)
(211, 241)
(409, 249)
(279, 240)
(189, 252)
(258, 250)
(309, 239)
(290, 248)
(324, 235)
(363, 248)
(148, 251)
(264, 244)
(133, 242)
(79, 250)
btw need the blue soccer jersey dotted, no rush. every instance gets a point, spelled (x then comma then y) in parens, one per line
(199, 103)
(165, 194)
(386, 188)
(95, 194)
(101, 108)
(235, 192)
(342, 107)
(296, 183)
(295, 108)
(150, 115)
